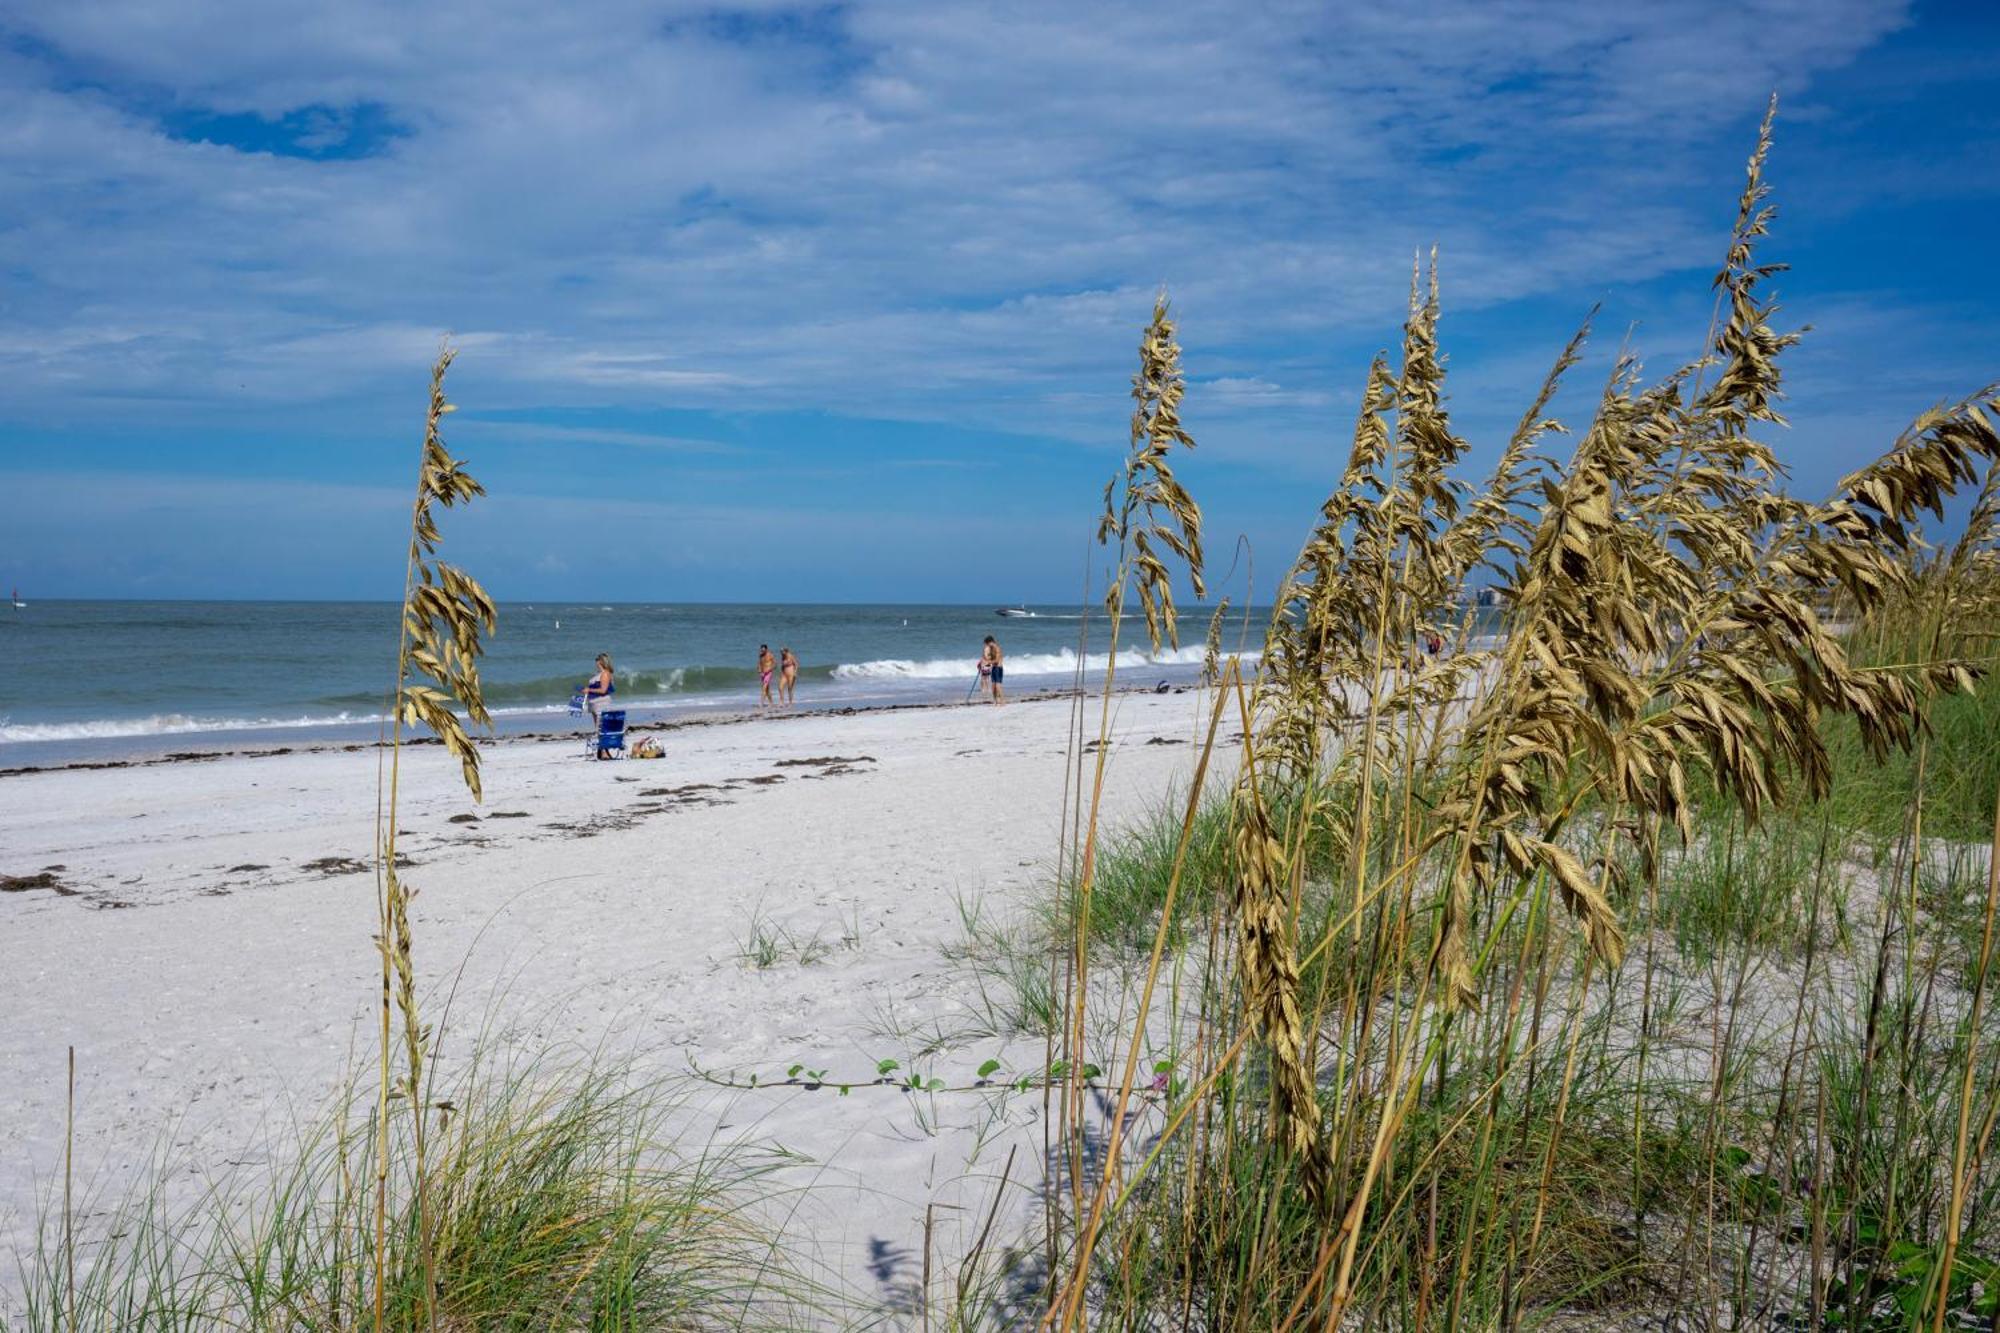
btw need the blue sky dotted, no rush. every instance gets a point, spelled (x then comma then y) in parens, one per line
(840, 302)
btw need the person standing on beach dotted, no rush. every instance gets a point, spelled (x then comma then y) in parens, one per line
(599, 687)
(597, 691)
(764, 665)
(788, 676)
(992, 666)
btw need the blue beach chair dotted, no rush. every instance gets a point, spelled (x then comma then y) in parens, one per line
(610, 732)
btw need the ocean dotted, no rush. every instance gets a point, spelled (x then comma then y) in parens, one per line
(100, 680)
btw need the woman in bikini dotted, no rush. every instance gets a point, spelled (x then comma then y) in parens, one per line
(788, 676)
(764, 665)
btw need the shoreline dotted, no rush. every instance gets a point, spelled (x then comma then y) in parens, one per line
(682, 722)
(163, 677)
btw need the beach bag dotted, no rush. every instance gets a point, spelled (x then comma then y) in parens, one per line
(648, 749)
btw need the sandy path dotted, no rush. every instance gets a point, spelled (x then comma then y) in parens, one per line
(208, 951)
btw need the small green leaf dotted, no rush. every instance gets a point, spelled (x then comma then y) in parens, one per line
(986, 1070)
(793, 1072)
(887, 1066)
(935, 1084)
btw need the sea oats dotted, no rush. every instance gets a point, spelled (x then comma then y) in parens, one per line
(445, 612)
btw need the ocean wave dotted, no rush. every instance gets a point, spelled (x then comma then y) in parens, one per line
(182, 724)
(646, 683)
(164, 724)
(1061, 663)
(550, 695)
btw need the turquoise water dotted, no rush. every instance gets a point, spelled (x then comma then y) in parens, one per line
(100, 679)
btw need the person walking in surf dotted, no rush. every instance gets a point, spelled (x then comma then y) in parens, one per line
(992, 666)
(764, 665)
(788, 676)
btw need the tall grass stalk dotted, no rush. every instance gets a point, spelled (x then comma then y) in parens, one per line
(1963, 1171)
(444, 614)
(69, 1200)
(1148, 517)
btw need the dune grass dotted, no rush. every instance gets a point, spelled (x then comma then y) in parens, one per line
(558, 1198)
(1781, 1009)
(1960, 778)
(1635, 961)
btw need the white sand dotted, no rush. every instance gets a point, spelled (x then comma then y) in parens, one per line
(213, 985)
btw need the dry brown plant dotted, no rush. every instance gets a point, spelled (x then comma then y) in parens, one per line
(1670, 617)
(445, 612)
(1148, 515)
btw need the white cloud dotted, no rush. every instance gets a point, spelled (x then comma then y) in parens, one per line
(654, 372)
(940, 211)
(1255, 391)
(583, 437)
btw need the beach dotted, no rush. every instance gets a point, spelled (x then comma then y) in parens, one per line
(777, 890)
(779, 667)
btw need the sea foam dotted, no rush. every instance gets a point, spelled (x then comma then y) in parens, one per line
(1061, 663)
(163, 724)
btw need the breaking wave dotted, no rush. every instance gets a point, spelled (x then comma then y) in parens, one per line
(164, 724)
(1062, 663)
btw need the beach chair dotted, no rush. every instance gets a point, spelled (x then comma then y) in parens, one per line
(610, 734)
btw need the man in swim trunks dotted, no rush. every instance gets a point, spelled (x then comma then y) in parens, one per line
(764, 664)
(992, 666)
